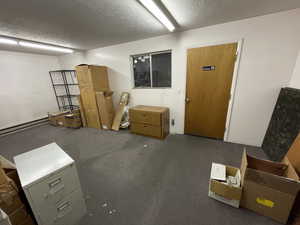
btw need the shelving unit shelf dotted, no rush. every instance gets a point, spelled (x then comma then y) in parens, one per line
(66, 89)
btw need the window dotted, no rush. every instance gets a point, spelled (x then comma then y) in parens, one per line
(152, 70)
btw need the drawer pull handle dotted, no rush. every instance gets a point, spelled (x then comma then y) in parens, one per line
(56, 186)
(55, 182)
(63, 206)
(63, 210)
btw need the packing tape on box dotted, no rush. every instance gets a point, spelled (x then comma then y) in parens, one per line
(265, 202)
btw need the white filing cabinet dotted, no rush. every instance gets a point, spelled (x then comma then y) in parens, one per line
(51, 184)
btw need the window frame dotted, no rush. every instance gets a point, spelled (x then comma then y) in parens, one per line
(150, 55)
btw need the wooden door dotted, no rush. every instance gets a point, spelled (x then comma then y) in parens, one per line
(209, 77)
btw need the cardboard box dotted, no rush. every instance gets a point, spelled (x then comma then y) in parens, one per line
(19, 216)
(57, 118)
(12, 198)
(8, 172)
(269, 188)
(29, 221)
(222, 187)
(91, 79)
(4, 179)
(9, 198)
(83, 119)
(73, 120)
(105, 108)
(293, 155)
(93, 76)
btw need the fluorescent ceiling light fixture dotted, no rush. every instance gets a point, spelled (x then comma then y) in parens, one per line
(8, 41)
(158, 13)
(45, 47)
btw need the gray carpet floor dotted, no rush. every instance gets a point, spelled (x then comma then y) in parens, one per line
(134, 180)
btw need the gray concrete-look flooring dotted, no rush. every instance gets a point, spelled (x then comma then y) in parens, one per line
(143, 181)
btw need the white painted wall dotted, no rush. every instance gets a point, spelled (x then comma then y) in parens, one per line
(26, 92)
(295, 81)
(268, 56)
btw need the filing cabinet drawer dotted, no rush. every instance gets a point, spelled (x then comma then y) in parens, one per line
(146, 129)
(68, 211)
(147, 117)
(54, 187)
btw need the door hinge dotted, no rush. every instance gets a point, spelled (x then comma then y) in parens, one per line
(236, 56)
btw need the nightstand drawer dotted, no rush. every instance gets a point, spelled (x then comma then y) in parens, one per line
(147, 117)
(145, 129)
(66, 212)
(54, 187)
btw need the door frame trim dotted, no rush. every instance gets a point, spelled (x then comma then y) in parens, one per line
(240, 43)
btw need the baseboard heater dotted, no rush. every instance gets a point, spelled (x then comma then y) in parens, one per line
(23, 126)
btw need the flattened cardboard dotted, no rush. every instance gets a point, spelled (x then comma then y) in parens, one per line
(105, 108)
(294, 154)
(266, 192)
(118, 117)
(124, 100)
(89, 105)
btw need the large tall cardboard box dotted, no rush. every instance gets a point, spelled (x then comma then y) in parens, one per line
(91, 79)
(269, 188)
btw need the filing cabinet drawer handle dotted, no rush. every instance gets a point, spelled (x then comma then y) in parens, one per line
(55, 182)
(55, 186)
(63, 210)
(63, 206)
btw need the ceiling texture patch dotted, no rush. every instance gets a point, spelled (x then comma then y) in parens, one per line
(84, 25)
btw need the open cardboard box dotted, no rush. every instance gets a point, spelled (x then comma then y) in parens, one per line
(269, 188)
(220, 190)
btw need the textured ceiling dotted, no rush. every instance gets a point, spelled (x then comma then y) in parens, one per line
(87, 24)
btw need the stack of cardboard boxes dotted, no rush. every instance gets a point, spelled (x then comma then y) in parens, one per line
(70, 119)
(267, 188)
(12, 199)
(96, 103)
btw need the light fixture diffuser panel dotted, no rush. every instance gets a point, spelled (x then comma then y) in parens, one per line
(158, 13)
(45, 47)
(8, 41)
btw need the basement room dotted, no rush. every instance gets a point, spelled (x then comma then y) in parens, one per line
(149, 112)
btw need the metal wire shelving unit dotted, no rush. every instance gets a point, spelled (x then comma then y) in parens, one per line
(66, 89)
